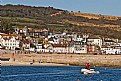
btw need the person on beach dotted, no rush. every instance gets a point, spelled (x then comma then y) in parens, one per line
(40, 61)
(87, 66)
(33, 60)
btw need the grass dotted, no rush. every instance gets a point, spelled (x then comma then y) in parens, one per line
(21, 19)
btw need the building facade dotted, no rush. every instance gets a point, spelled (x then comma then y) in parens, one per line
(10, 41)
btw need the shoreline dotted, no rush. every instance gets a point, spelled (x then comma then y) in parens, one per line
(62, 60)
(7, 63)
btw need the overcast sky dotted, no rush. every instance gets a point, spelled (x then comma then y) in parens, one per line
(105, 7)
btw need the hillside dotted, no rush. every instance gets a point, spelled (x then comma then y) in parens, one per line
(58, 20)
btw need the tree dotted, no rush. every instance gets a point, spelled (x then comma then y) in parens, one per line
(32, 46)
(76, 29)
(40, 41)
(7, 26)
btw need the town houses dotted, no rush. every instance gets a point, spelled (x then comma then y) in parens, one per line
(44, 41)
(9, 41)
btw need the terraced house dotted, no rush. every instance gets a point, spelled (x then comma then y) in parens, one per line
(10, 41)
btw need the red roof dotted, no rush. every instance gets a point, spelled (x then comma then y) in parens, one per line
(8, 36)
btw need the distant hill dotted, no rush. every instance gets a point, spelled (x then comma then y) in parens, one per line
(58, 20)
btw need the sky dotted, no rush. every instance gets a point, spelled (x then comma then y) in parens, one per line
(104, 7)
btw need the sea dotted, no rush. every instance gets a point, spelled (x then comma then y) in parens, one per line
(57, 73)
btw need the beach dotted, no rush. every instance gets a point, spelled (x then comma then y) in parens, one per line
(61, 60)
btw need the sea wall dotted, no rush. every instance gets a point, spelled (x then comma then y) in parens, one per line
(69, 59)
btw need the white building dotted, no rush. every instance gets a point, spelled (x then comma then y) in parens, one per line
(10, 41)
(111, 50)
(79, 38)
(59, 48)
(53, 40)
(77, 47)
(79, 50)
(95, 41)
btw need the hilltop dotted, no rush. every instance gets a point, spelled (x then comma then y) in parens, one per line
(58, 20)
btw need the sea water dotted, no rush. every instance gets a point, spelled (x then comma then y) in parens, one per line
(57, 73)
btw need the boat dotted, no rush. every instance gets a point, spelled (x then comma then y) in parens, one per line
(4, 59)
(91, 71)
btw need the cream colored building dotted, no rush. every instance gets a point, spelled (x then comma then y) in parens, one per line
(10, 41)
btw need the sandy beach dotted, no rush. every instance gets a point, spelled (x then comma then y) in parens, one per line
(61, 60)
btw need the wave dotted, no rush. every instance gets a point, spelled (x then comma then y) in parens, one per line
(32, 74)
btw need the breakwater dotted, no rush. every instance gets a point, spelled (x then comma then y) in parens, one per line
(68, 59)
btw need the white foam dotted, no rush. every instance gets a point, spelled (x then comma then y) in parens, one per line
(30, 74)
